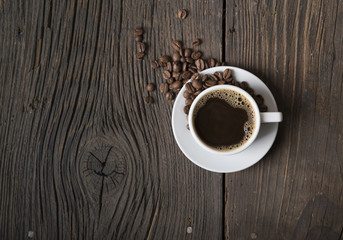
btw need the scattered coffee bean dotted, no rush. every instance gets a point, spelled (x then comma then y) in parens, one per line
(139, 38)
(176, 75)
(196, 55)
(200, 64)
(169, 66)
(186, 109)
(210, 82)
(197, 84)
(192, 70)
(176, 56)
(140, 47)
(175, 85)
(164, 88)
(244, 85)
(182, 59)
(154, 64)
(166, 74)
(188, 52)
(177, 67)
(221, 82)
(171, 80)
(227, 73)
(139, 31)
(186, 75)
(190, 88)
(186, 94)
(211, 62)
(182, 14)
(170, 96)
(196, 42)
(189, 60)
(150, 87)
(197, 93)
(204, 78)
(184, 81)
(184, 67)
(259, 99)
(164, 59)
(148, 100)
(140, 55)
(263, 108)
(219, 75)
(177, 45)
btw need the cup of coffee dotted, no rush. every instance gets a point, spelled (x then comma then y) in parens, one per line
(225, 119)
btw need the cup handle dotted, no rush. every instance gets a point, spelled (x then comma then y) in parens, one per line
(267, 117)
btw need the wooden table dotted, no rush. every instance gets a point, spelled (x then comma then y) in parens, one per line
(83, 157)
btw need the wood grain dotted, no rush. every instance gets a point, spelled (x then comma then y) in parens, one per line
(295, 192)
(82, 156)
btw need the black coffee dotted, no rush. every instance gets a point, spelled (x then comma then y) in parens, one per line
(224, 119)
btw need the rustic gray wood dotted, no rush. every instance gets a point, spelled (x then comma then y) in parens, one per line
(295, 192)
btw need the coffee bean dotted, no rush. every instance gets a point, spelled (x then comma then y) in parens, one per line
(192, 70)
(196, 55)
(197, 93)
(139, 55)
(200, 64)
(210, 82)
(190, 88)
(176, 57)
(221, 82)
(189, 60)
(177, 45)
(259, 99)
(140, 47)
(171, 80)
(154, 64)
(162, 64)
(150, 87)
(184, 67)
(176, 75)
(188, 52)
(170, 96)
(164, 88)
(166, 74)
(164, 59)
(196, 42)
(186, 94)
(188, 101)
(195, 76)
(182, 52)
(148, 100)
(184, 81)
(227, 73)
(204, 78)
(196, 84)
(211, 62)
(139, 31)
(182, 59)
(186, 109)
(214, 77)
(217, 64)
(263, 108)
(230, 81)
(219, 75)
(182, 14)
(177, 66)
(169, 66)
(139, 38)
(175, 85)
(206, 64)
(186, 75)
(237, 84)
(244, 85)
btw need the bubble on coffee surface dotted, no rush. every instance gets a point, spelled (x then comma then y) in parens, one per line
(236, 100)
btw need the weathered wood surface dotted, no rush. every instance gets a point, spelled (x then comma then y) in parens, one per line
(82, 156)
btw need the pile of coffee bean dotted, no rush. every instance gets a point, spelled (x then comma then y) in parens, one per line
(140, 44)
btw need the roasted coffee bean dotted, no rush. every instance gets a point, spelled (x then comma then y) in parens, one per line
(182, 52)
(162, 64)
(204, 78)
(192, 70)
(196, 42)
(164, 88)
(188, 101)
(184, 67)
(244, 85)
(139, 38)
(219, 75)
(200, 64)
(139, 55)
(214, 77)
(197, 84)
(176, 56)
(210, 82)
(211, 62)
(154, 64)
(188, 52)
(189, 60)
(190, 88)
(263, 108)
(186, 94)
(169, 66)
(182, 59)
(139, 31)
(217, 64)
(227, 73)
(177, 66)
(140, 47)
(237, 84)
(196, 55)
(182, 14)
(186, 109)
(175, 85)
(148, 100)
(259, 99)
(165, 59)
(229, 81)
(150, 87)
(197, 93)
(221, 82)
(166, 74)
(171, 80)
(186, 75)
(184, 81)
(170, 96)
(195, 76)
(206, 64)
(176, 75)
(177, 45)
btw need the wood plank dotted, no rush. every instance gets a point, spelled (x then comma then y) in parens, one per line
(81, 155)
(295, 191)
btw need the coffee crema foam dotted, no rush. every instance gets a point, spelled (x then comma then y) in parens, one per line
(236, 100)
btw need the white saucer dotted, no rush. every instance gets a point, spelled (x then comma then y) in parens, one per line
(231, 163)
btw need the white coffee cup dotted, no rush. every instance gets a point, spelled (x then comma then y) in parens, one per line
(260, 117)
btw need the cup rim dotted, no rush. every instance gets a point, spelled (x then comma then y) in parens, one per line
(241, 148)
